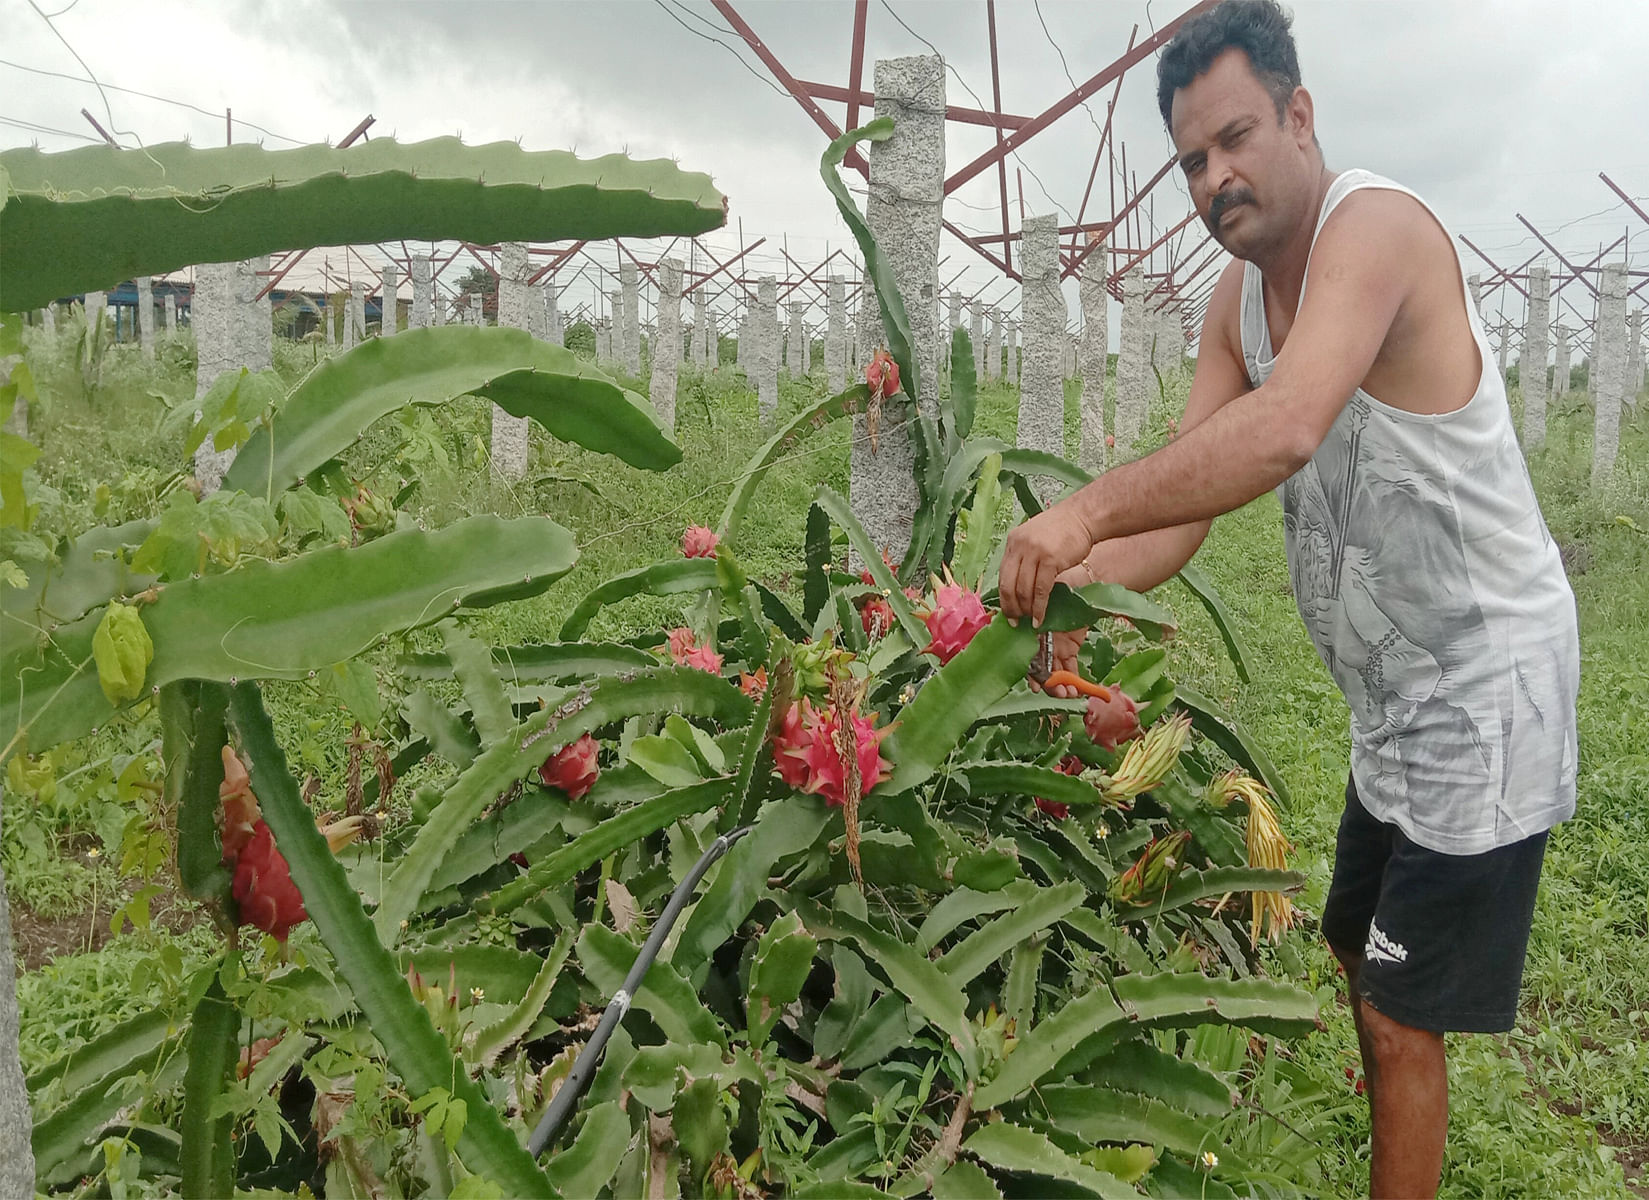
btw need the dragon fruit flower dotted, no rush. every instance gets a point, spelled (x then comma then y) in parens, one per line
(573, 768)
(702, 658)
(790, 743)
(953, 618)
(699, 542)
(679, 641)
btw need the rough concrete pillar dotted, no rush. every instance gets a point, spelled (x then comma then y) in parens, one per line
(993, 345)
(701, 323)
(630, 311)
(171, 314)
(603, 339)
(1042, 387)
(329, 319)
(389, 314)
(477, 310)
(146, 316)
(976, 334)
(355, 327)
(764, 347)
(795, 342)
(615, 326)
(1560, 361)
(953, 317)
(423, 284)
(1531, 369)
(1505, 345)
(555, 331)
(254, 317)
(95, 305)
(1133, 365)
(538, 312)
(48, 319)
(1474, 283)
(510, 439)
(216, 351)
(438, 310)
(906, 193)
(16, 1120)
(1634, 357)
(835, 346)
(666, 359)
(856, 355)
(1611, 370)
(1095, 349)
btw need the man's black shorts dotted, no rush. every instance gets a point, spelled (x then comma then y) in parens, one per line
(1443, 936)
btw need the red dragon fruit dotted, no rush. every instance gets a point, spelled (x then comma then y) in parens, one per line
(263, 887)
(703, 658)
(238, 813)
(572, 768)
(882, 374)
(953, 618)
(790, 744)
(1069, 765)
(827, 773)
(680, 640)
(1114, 721)
(699, 542)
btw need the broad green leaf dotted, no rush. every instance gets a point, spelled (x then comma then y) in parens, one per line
(964, 382)
(552, 661)
(91, 570)
(1204, 590)
(1221, 728)
(809, 420)
(586, 1166)
(666, 760)
(1138, 1066)
(1022, 779)
(669, 578)
(784, 956)
(446, 732)
(1010, 1147)
(996, 937)
(1192, 885)
(964, 1180)
(472, 666)
(976, 526)
(1098, 1115)
(700, 1124)
(1042, 1046)
(870, 556)
(963, 905)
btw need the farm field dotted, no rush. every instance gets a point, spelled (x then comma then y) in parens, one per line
(1559, 1107)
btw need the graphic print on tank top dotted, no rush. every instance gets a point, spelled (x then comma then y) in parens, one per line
(1399, 530)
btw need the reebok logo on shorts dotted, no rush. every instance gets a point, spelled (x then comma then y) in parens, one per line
(1381, 948)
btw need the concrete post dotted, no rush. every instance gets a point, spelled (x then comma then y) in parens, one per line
(146, 316)
(1505, 345)
(1531, 370)
(355, 328)
(667, 351)
(993, 346)
(701, 321)
(254, 318)
(1091, 447)
(477, 312)
(1010, 331)
(1133, 366)
(1475, 284)
(795, 342)
(907, 173)
(976, 333)
(224, 341)
(1634, 357)
(603, 339)
(329, 319)
(389, 308)
(95, 305)
(510, 435)
(630, 300)
(1560, 361)
(764, 347)
(423, 283)
(1042, 391)
(1611, 371)
(615, 326)
(16, 1121)
(836, 335)
(48, 320)
(171, 315)
(554, 331)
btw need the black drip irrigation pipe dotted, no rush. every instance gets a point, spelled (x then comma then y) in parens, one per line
(565, 1102)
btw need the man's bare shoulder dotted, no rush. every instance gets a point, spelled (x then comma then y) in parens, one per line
(1382, 226)
(1225, 309)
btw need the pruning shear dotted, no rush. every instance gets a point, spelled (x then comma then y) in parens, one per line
(1044, 676)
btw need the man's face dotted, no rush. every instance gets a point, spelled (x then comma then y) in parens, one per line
(1250, 177)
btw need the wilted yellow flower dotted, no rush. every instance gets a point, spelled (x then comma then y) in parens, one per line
(1148, 760)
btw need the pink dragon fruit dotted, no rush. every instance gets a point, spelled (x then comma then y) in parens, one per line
(699, 542)
(953, 618)
(1069, 765)
(827, 773)
(790, 744)
(572, 768)
(263, 887)
(679, 641)
(702, 658)
(1114, 721)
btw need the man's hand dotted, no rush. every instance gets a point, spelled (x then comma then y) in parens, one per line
(1036, 553)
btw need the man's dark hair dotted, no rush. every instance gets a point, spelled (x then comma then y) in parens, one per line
(1259, 28)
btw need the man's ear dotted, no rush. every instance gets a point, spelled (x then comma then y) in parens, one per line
(1301, 117)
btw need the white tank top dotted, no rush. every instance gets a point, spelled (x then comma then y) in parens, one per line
(1434, 593)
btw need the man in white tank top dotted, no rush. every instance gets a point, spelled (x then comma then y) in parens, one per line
(1421, 564)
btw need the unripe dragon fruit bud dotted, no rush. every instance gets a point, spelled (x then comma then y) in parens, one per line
(699, 542)
(263, 887)
(1112, 721)
(953, 618)
(882, 374)
(877, 615)
(573, 768)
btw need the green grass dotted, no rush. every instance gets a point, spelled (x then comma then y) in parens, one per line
(1530, 1111)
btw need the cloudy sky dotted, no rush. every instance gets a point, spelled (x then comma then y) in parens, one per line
(1488, 108)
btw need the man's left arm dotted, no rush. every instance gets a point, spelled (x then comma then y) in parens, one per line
(1357, 282)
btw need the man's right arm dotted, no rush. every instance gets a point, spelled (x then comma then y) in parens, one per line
(1144, 560)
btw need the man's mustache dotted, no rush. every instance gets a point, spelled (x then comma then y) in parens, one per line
(1225, 200)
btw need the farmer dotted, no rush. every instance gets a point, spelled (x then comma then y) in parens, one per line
(1363, 390)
